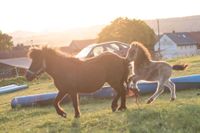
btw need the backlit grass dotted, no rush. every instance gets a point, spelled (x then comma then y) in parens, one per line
(162, 116)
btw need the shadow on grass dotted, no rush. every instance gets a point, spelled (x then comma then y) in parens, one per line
(75, 126)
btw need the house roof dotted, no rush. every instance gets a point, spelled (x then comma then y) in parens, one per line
(80, 44)
(181, 38)
(195, 36)
(22, 62)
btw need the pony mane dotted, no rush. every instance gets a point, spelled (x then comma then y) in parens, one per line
(38, 52)
(143, 54)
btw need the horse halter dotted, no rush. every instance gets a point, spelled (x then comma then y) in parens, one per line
(37, 73)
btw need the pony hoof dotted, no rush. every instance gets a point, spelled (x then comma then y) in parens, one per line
(122, 108)
(114, 109)
(64, 115)
(77, 116)
(150, 101)
(172, 99)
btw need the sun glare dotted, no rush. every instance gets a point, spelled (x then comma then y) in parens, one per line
(57, 15)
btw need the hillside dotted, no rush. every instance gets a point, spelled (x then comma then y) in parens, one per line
(56, 38)
(182, 24)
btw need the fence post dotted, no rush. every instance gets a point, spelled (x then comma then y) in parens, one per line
(17, 74)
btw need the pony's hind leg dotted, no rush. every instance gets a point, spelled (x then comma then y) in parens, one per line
(57, 101)
(114, 104)
(169, 84)
(121, 92)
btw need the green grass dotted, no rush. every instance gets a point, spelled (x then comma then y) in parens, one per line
(162, 116)
(193, 62)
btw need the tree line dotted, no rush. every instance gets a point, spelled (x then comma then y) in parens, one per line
(128, 30)
(5, 41)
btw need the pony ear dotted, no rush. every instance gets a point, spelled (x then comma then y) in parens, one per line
(134, 44)
(34, 51)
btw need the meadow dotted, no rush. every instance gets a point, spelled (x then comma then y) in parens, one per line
(162, 116)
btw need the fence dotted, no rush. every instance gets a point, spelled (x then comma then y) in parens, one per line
(11, 72)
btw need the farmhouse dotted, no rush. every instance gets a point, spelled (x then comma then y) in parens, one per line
(178, 44)
(196, 36)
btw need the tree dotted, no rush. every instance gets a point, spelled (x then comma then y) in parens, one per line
(5, 41)
(127, 30)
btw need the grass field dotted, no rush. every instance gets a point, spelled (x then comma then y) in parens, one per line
(162, 116)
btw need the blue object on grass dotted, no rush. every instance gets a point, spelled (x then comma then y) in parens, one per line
(12, 88)
(184, 82)
(30, 100)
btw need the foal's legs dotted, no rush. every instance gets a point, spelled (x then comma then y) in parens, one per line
(156, 94)
(159, 91)
(169, 84)
(57, 101)
(132, 80)
(75, 101)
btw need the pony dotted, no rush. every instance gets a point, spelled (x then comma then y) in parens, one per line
(72, 75)
(147, 69)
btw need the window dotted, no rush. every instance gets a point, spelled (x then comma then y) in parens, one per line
(114, 46)
(98, 50)
(110, 49)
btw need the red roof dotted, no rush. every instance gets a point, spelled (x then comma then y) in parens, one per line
(195, 36)
(80, 44)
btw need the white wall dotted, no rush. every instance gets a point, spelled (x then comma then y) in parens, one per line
(187, 50)
(169, 49)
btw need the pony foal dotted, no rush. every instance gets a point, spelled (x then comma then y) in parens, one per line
(147, 69)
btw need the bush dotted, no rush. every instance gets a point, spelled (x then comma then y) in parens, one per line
(22, 80)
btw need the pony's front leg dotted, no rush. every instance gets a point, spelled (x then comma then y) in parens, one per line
(123, 99)
(132, 83)
(57, 101)
(75, 101)
(155, 95)
(114, 105)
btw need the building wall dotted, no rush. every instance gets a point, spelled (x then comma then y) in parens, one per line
(187, 50)
(169, 49)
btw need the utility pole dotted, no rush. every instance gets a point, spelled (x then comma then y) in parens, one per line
(158, 27)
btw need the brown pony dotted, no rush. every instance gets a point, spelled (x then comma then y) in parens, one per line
(72, 76)
(147, 69)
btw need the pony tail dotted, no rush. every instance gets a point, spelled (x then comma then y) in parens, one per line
(180, 67)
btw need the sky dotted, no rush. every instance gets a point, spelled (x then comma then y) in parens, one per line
(60, 15)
